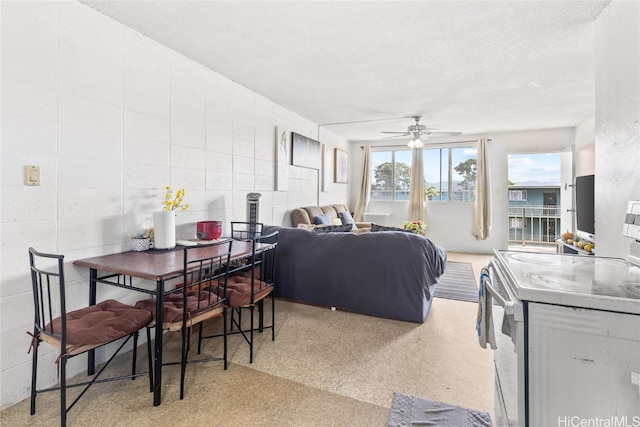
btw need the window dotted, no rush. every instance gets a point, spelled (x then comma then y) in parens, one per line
(517, 195)
(390, 175)
(450, 173)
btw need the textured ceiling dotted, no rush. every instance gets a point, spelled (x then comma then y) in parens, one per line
(467, 66)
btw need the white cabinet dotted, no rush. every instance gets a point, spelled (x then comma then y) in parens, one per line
(582, 364)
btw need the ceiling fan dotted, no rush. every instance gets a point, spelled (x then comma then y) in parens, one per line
(419, 133)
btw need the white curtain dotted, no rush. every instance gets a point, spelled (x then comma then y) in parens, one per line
(417, 210)
(365, 185)
(482, 205)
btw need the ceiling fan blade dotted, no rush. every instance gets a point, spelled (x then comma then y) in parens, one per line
(444, 133)
(418, 130)
(396, 136)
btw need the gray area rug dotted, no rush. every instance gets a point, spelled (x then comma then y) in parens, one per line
(457, 282)
(409, 411)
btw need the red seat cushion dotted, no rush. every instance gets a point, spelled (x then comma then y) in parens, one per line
(102, 323)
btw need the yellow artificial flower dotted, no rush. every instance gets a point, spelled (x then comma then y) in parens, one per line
(172, 203)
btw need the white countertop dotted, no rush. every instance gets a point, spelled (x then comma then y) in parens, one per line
(611, 284)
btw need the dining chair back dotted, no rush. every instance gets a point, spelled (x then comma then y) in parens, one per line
(75, 332)
(198, 298)
(242, 230)
(249, 286)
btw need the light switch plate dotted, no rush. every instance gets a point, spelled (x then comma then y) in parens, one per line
(32, 175)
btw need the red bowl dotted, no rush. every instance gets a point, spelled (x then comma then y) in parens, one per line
(208, 230)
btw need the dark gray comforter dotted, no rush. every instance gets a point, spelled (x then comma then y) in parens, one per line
(388, 274)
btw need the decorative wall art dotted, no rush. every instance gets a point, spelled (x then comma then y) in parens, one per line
(283, 147)
(341, 163)
(305, 152)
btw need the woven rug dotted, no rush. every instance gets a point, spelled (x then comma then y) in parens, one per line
(457, 282)
(409, 411)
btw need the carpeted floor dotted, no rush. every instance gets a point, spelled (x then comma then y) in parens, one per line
(458, 282)
(325, 368)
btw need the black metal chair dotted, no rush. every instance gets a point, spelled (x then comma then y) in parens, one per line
(249, 285)
(198, 298)
(242, 230)
(76, 332)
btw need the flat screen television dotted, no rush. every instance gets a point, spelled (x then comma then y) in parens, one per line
(585, 222)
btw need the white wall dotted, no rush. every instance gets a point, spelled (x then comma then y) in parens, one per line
(449, 223)
(334, 192)
(111, 117)
(585, 148)
(617, 123)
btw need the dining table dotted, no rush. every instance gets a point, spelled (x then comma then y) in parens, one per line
(159, 266)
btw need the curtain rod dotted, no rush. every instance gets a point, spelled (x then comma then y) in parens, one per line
(426, 146)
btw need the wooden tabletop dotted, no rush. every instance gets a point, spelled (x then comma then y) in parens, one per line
(157, 265)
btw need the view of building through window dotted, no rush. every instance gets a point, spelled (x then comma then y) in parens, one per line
(534, 199)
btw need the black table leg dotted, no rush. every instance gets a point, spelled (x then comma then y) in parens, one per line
(91, 354)
(157, 380)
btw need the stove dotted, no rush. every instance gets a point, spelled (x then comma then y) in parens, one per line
(611, 284)
(570, 338)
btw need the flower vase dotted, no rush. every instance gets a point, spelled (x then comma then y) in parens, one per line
(164, 224)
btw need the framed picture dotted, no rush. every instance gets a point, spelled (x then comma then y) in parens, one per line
(341, 164)
(283, 147)
(305, 152)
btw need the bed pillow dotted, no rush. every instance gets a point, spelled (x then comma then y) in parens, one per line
(376, 227)
(332, 228)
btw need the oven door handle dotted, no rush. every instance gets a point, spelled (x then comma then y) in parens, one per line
(507, 304)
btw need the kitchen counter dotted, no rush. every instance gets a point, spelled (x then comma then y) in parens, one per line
(610, 284)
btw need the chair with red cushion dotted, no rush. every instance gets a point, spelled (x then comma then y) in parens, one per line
(199, 297)
(75, 332)
(249, 286)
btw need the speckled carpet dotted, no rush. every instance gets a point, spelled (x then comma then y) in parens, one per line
(457, 282)
(409, 411)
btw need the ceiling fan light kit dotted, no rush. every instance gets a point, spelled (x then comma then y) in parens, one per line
(416, 142)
